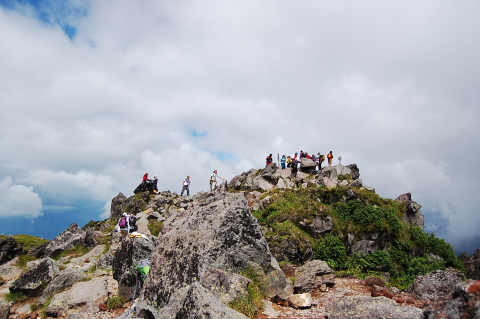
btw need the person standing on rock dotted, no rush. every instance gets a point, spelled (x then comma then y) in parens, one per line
(155, 181)
(321, 159)
(294, 168)
(124, 225)
(213, 179)
(283, 160)
(186, 186)
(330, 158)
(269, 160)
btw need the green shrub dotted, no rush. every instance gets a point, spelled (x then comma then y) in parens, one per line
(331, 250)
(24, 259)
(116, 302)
(155, 227)
(14, 296)
(249, 304)
(28, 242)
(77, 251)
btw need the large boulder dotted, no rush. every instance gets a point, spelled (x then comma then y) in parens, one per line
(312, 276)
(68, 239)
(194, 245)
(435, 285)
(366, 307)
(127, 256)
(472, 264)
(32, 282)
(83, 298)
(9, 249)
(328, 177)
(412, 214)
(464, 303)
(62, 280)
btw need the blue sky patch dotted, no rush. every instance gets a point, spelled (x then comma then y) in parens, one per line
(198, 134)
(65, 14)
(223, 156)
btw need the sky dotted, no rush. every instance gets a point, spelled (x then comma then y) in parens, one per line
(95, 93)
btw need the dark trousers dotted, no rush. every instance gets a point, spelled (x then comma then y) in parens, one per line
(185, 188)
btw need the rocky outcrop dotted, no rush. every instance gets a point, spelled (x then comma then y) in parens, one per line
(126, 258)
(472, 264)
(68, 239)
(435, 285)
(366, 307)
(4, 309)
(83, 298)
(32, 282)
(312, 276)
(320, 225)
(463, 303)
(370, 243)
(412, 214)
(194, 245)
(9, 249)
(64, 279)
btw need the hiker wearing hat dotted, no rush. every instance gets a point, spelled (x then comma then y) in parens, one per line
(213, 179)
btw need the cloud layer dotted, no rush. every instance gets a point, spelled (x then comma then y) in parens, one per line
(18, 200)
(183, 88)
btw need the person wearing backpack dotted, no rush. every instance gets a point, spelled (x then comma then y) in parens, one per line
(123, 225)
(132, 221)
(321, 159)
(283, 160)
(330, 158)
(186, 186)
(269, 160)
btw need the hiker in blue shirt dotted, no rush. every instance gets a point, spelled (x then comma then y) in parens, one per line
(282, 161)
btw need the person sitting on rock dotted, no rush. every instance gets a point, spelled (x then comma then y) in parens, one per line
(123, 224)
(213, 179)
(269, 160)
(330, 158)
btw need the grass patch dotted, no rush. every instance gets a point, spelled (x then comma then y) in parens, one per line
(24, 259)
(250, 303)
(14, 296)
(28, 242)
(154, 227)
(116, 302)
(74, 252)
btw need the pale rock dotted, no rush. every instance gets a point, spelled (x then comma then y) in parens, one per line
(300, 301)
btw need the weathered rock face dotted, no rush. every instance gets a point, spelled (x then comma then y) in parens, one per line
(370, 243)
(328, 177)
(472, 264)
(4, 309)
(217, 234)
(412, 214)
(68, 239)
(319, 226)
(366, 307)
(464, 303)
(435, 285)
(84, 297)
(130, 252)
(293, 250)
(119, 203)
(9, 249)
(312, 276)
(64, 279)
(32, 282)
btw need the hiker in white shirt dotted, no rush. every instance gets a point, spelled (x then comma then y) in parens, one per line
(213, 179)
(186, 186)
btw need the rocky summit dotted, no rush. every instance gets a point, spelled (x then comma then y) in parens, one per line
(268, 244)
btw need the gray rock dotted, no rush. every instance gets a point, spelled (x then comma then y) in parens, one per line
(32, 282)
(224, 285)
(300, 301)
(342, 170)
(357, 183)
(222, 235)
(355, 172)
(364, 247)
(312, 276)
(64, 279)
(83, 297)
(4, 309)
(328, 177)
(126, 258)
(434, 285)
(9, 249)
(105, 261)
(68, 239)
(412, 214)
(366, 307)
(369, 188)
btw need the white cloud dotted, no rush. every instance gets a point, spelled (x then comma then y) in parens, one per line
(389, 86)
(18, 200)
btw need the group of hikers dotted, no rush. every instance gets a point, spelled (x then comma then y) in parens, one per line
(295, 161)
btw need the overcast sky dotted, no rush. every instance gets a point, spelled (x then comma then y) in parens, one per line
(93, 94)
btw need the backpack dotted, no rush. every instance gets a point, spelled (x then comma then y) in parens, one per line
(132, 220)
(143, 267)
(123, 222)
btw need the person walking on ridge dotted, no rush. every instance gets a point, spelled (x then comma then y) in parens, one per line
(269, 160)
(330, 158)
(186, 186)
(213, 179)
